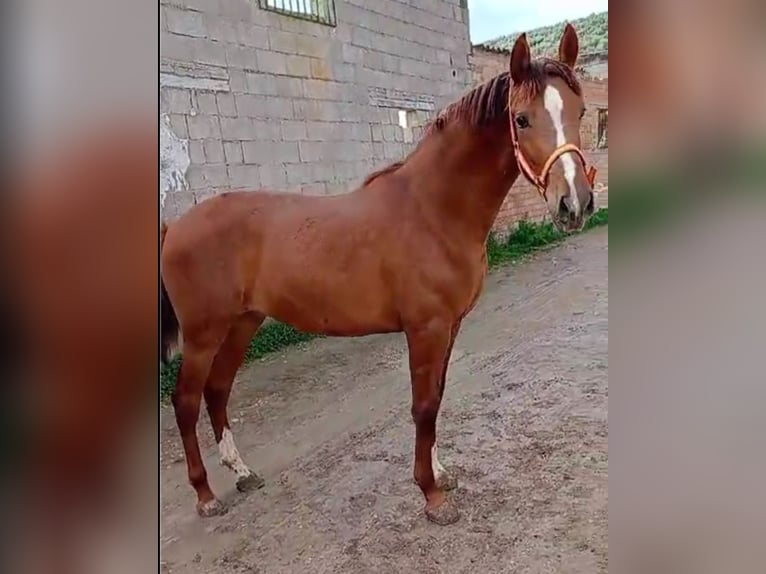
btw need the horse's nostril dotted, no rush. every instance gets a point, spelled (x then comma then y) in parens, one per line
(590, 205)
(564, 210)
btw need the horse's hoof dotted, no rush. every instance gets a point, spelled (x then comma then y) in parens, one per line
(211, 508)
(446, 481)
(444, 514)
(250, 482)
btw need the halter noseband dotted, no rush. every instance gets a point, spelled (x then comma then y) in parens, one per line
(541, 181)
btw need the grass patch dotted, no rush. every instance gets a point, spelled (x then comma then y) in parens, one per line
(270, 338)
(530, 237)
(524, 240)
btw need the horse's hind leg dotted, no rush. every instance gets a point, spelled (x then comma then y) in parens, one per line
(199, 353)
(217, 390)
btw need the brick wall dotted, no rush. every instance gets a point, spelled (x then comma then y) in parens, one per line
(523, 201)
(254, 99)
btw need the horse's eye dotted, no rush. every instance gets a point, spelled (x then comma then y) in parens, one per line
(522, 122)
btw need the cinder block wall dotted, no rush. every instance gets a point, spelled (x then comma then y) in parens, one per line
(523, 201)
(254, 99)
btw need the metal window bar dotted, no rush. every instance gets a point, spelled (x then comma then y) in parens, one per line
(603, 128)
(320, 11)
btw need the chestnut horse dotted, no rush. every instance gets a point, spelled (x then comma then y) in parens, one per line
(406, 252)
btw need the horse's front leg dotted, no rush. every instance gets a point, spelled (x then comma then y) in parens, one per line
(444, 478)
(429, 348)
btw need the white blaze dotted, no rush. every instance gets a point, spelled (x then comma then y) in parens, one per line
(555, 106)
(230, 455)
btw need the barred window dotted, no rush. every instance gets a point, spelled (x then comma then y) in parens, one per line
(322, 11)
(603, 120)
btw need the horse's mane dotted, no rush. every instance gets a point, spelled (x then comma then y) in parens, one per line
(488, 102)
(386, 170)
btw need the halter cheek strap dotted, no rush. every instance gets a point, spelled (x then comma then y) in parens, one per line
(541, 181)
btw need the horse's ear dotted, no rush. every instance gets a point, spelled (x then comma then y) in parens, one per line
(569, 47)
(520, 60)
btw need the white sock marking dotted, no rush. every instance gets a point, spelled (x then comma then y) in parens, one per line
(555, 106)
(436, 466)
(230, 455)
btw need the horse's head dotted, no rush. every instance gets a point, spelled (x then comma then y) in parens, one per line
(546, 107)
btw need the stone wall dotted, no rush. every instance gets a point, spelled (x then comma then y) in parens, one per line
(523, 200)
(250, 98)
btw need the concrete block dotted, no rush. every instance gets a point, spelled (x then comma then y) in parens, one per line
(226, 106)
(250, 106)
(379, 152)
(237, 129)
(294, 130)
(312, 151)
(389, 133)
(393, 150)
(203, 126)
(196, 152)
(178, 125)
(214, 151)
(298, 66)
(202, 176)
(259, 83)
(265, 152)
(307, 110)
(241, 57)
(281, 41)
(185, 22)
(238, 9)
(233, 153)
(321, 69)
(249, 34)
(313, 47)
(344, 171)
(314, 189)
(244, 176)
(220, 29)
(273, 176)
(215, 175)
(175, 100)
(209, 52)
(299, 174)
(238, 81)
(266, 130)
(272, 62)
(341, 72)
(362, 38)
(205, 103)
(319, 131)
(353, 54)
(323, 172)
(377, 133)
(175, 47)
(279, 108)
(177, 203)
(205, 6)
(326, 90)
(298, 26)
(289, 87)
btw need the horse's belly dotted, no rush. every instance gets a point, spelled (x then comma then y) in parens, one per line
(338, 310)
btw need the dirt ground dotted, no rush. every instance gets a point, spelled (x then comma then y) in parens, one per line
(523, 426)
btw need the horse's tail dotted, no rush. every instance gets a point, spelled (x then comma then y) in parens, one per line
(169, 329)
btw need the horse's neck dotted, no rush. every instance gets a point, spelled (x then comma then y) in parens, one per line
(465, 181)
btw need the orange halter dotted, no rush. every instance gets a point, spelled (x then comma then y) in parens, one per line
(541, 181)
